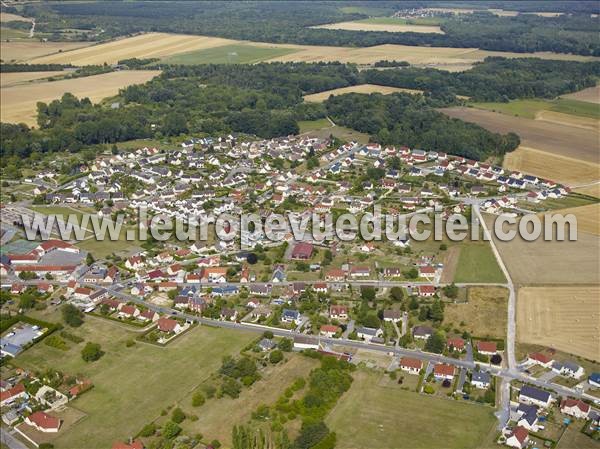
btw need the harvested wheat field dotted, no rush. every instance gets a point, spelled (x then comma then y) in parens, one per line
(566, 318)
(577, 143)
(591, 95)
(588, 217)
(24, 51)
(16, 78)
(574, 121)
(148, 45)
(546, 165)
(550, 262)
(360, 89)
(592, 189)
(18, 103)
(391, 27)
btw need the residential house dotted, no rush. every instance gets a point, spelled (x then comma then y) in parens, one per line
(455, 344)
(532, 395)
(443, 371)
(575, 407)
(290, 316)
(422, 332)
(568, 369)
(392, 315)
(411, 365)
(338, 312)
(368, 333)
(329, 330)
(538, 358)
(487, 347)
(43, 422)
(169, 325)
(519, 438)
(480, 379)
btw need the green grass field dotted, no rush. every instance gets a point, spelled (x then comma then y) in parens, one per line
(529, 108)
(229, 54)
(313, 125)
(131, 385)
(12, 33)
(374, 417)
(476, 263)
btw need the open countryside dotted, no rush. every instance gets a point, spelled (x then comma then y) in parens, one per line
(19, 102)
(392, 26)
(563, 317)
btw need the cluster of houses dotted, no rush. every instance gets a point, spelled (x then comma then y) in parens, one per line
(30, 406)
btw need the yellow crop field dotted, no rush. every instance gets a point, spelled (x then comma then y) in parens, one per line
(360, 89)
(12, 79)
(547, 165)
(592, 189)
(9, 17)
(393, 28)
(25, 50)
(148, 45)
(18, 103)
(587, 217)
(566, 318)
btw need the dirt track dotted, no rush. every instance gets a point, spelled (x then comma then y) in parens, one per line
(576, 143)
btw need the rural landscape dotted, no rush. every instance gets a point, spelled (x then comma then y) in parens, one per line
(192, 128)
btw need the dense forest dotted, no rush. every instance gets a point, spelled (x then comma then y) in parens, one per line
(290, 22)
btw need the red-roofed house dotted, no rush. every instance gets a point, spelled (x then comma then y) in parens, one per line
(302, 251)
(539, 358)
(456, 343)
(337, 312)
(335, 275)
(148, 315)
(43, 422)
(426, 271)
(518, 438)
(575, 408)
(329, 330)
(128, 311)
(12, 394)
(53, 244)
(410, 365)
(169, 325)
(442, 371)
(426, 290)
(487, 347)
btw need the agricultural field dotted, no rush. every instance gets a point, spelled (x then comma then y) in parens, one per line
(566, 318)
(532, 108)
(476, 263)
(388, 24)
(18, 103)
(574, 438)
(10, 17)
(16, 78)
(484, 313)
(552, 166)
(307, 126)
(551, 262)
(360, 89)
(117, 390)
(159, 45)
(587, 217)
(26, 50)
(147, 45)
(577, 143)
(592, 190)
(229, 54)
(591, 95)
(375, 417)
(218, 416)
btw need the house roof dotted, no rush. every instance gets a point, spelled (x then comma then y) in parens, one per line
(44, 420)
(135, 444)
(14, 391)
(443, 369)
(570, 403)
(167, 324)
(456, 342)
(534, 393)
(540, 357)
(520, 433)
(411, 363)
(486, 346)
(302, 250)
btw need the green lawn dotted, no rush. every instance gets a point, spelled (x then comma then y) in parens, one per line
(476, 263)
(132, 385)
(12, 33)
(313, 125)
(529, 108)
(229, 54)
(374, 417)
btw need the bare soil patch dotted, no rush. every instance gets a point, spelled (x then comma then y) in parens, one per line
(24, 51)
(563, 140)
(450, 264)
(569, 120)
(566, 318)
(591, 95)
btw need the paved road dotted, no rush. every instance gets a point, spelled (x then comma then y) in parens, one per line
(9, 440)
